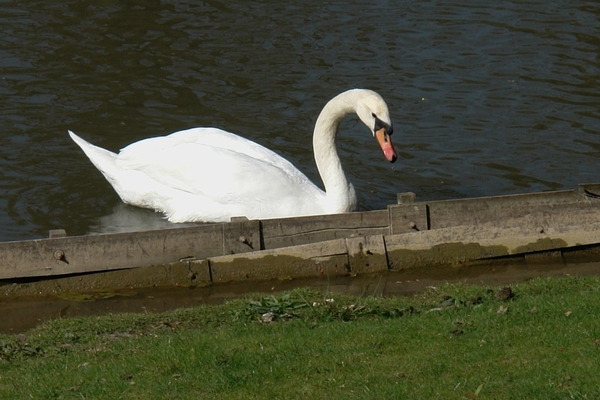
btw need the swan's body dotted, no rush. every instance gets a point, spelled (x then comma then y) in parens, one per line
(207, 174)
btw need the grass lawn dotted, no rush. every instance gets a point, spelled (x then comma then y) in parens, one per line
(540, 341)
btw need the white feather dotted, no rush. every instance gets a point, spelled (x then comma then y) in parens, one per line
(208, 174)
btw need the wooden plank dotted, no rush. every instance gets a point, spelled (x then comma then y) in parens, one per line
(367, 254)
(516, 236)
(406, 198)
(241, 237)
(549, 217)
(80, 254)
(310, 260)
(408, 218)
(297, 231)
(476, 211)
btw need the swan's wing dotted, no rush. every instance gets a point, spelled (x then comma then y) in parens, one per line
(213, 163)
(213, 138)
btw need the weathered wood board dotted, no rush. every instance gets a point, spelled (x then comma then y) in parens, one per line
(405, 235)
(82, 254)
(297, 231)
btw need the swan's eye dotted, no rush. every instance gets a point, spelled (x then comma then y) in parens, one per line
(379, 124)
(373, 115)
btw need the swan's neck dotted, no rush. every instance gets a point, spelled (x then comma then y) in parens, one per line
(340, 196)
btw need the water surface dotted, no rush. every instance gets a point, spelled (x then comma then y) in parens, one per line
(486, 98)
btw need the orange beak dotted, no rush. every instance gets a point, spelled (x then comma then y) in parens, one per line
(385, 142)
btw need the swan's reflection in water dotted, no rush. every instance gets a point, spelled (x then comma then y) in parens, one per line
(126, 218)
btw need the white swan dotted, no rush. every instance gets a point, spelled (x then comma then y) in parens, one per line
(207, 174)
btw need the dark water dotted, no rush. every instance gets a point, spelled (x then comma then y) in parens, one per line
(487, 97)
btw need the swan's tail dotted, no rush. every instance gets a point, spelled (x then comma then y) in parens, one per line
(133, 187)
(102, 159)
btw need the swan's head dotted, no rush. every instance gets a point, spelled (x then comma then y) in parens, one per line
(373, 112)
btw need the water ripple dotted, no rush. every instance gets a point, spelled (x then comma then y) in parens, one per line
(487, 98)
